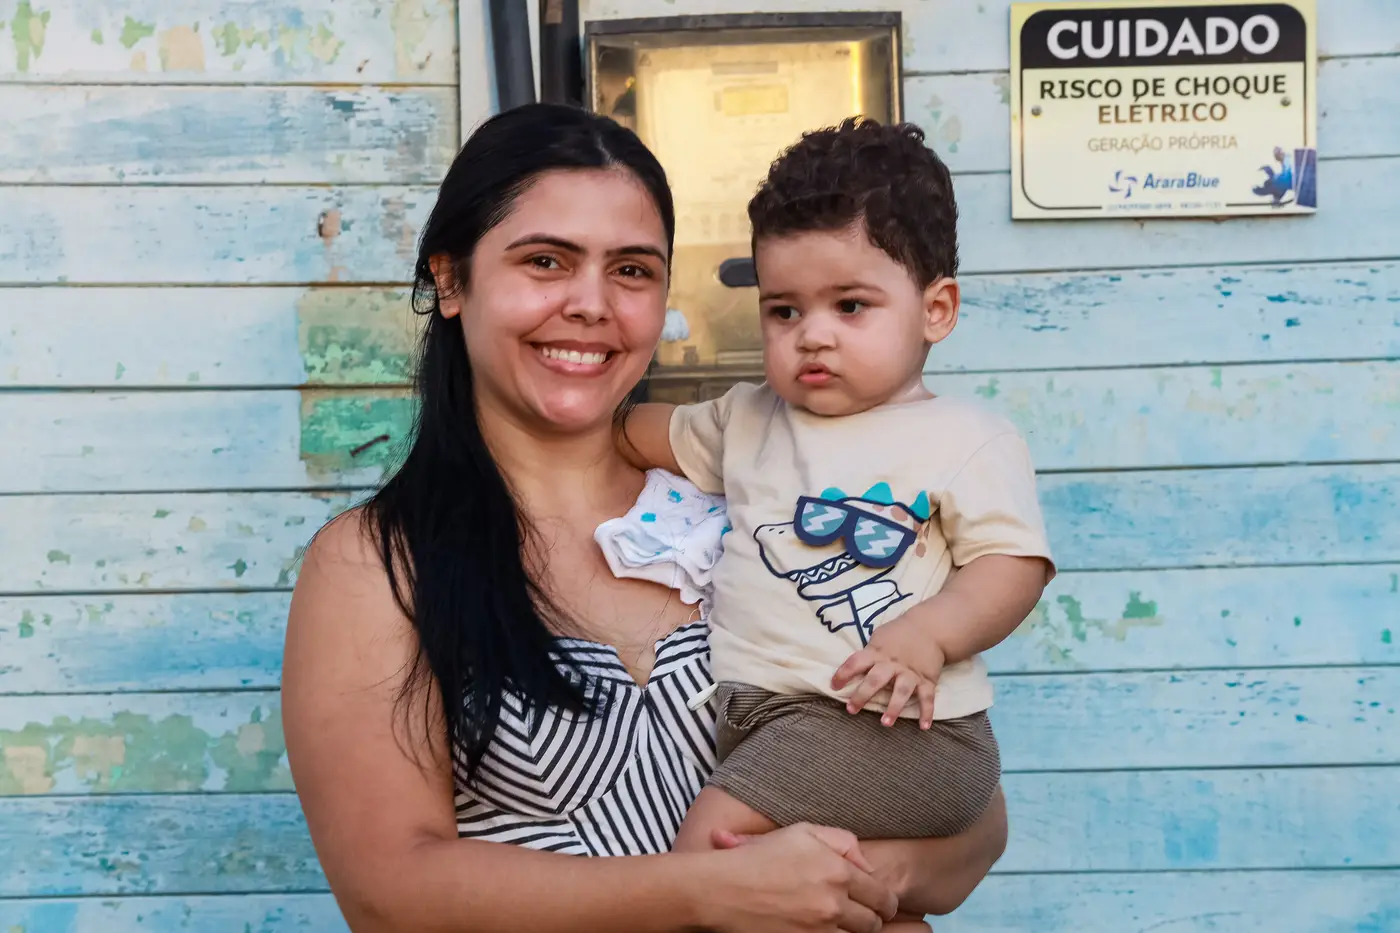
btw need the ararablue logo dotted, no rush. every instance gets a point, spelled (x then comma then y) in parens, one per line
(1124, 185)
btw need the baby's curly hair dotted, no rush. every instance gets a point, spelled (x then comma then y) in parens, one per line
(881, 175)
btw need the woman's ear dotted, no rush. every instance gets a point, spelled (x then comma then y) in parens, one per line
(941, 302)
(448, 288)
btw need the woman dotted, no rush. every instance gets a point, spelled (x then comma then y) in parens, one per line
(574, 721)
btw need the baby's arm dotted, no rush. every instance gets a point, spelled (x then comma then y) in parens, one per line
(687, 440)
(645, 438)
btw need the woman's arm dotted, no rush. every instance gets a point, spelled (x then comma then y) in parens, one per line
(378, 797)
(934, 876)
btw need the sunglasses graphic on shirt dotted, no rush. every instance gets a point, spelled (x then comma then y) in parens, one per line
(872, 540)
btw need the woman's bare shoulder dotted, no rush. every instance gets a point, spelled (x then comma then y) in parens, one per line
(343, 605)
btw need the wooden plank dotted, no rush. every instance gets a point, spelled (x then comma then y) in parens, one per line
(221, 337)
(1182, 902)
(1317, 515)
(248, 913)
(262, 235)
(226, 135)
(1199, 719)
(230, 41)
(142, 744)
(1250, 617)
(1170, 519)
(232, 742)
(1290, 818)
(1172, 316)
(150, 844)
(219, 235)
(955, 35)
(342, 336)
(968, 118)
(1124, 821)
(1196, 417)
(1162, 620)
(166, 541)
(1103, 419)
(204, 440)
(188, 641)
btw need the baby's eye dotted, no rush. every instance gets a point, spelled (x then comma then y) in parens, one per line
(851, 306)
(783, 312)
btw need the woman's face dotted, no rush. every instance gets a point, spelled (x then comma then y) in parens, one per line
(566, 300)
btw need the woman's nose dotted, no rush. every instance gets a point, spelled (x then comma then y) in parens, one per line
(588, 299)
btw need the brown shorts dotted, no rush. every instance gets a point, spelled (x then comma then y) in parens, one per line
(804, 759)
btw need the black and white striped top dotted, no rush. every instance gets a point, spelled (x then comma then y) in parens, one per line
(619, 781)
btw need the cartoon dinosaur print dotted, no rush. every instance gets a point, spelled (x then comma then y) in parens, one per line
(839, 551)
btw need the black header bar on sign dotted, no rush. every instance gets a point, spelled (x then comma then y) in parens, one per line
(1105, 37)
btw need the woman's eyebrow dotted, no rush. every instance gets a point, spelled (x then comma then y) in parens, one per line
(545, 239)
(638, 250)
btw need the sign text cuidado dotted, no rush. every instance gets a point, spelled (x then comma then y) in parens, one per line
(1154, 108)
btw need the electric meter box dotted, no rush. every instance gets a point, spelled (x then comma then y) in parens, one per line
(718, 98)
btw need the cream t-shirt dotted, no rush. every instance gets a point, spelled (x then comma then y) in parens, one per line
(841, 524)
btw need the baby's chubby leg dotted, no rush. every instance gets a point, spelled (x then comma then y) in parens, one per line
(714, 810)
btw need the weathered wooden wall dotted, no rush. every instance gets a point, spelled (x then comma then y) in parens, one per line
(206, 207)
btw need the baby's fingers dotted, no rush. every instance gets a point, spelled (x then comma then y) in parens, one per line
(927, 691)
(857, 664)
(874, 681)
(905, 683)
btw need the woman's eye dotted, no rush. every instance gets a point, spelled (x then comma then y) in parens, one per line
(635, 272)
(851, 306)
(544, 262)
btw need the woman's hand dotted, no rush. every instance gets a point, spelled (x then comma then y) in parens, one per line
(799, 879)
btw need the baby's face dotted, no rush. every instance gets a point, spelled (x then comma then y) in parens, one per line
(845, 327)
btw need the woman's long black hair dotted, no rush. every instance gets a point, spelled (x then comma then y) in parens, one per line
(448, 528)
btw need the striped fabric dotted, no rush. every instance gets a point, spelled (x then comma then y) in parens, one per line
(614, 783)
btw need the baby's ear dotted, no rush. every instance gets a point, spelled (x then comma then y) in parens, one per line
(942, 299)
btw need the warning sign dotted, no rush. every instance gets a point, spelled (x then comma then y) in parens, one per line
(1163, 108)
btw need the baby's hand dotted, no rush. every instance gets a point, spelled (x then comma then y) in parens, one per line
(902, 658)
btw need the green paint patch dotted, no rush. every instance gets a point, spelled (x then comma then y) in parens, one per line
(344, 432)
(1216, 377)
(290, 567)
(121, 370)
(59, 557)
(26, 624)
(1003, 86)
(28, 29)
(1385, 636)
(136, 753)
(162, 513)
(239, 567)
(989, 390)
(227, 39)
(1137, 608)
(356, 337)
(1060, 623)
(1297, 621)
(134, 31)
(324, 46)
(97, 38)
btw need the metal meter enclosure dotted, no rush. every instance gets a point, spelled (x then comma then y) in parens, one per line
(718, 98)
